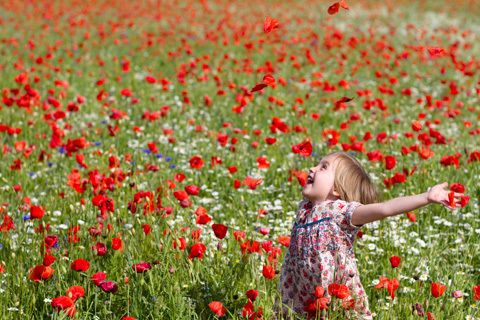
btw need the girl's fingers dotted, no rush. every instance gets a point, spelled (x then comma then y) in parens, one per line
(458, 195)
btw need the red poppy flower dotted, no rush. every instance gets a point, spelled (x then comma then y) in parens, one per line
(203, 219)
(7, 224)
(338, 290)
(181, 243)
(270, 24)
(391, 286)
(40, 272)
(80, 265)
(100, 249)
(321, 302)
(334, 8)
(108, 286)
(220, 230)
(179, 177)
(252, 294)
(263, 163)
(390, 162)
(197, 251)
(146, 229)
(192, 190)
(348, 304)
(117, 244)
(412, 217)
(237, 184)
(343, 100)
(196, 162)
(268, 79)
(1, 268)
(451, 199)
(185, 203)
(142, 267)
(416, 126)
(343, 4)
(48, 260)
(284, 241)
(36, 212)
(430, 316)
(302, 178)
(200, 211)
(457, 187)
(436, 51)
(98, 278)
(304, 148)
(270, 140)
(75, 292)
(180, 195)
(150, 79)
(50, 241)
(251, 182)
(382, 284)
(464, 200)
(250, 246)
(239, 235)
(258, 87)
(395, 261)
(437, 289)
(476, 291)
(218, 308)
(268, 272)
(65, 304)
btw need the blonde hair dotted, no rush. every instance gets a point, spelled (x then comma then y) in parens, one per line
(351, 180)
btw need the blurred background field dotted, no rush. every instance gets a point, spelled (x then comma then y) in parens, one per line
(121, 120)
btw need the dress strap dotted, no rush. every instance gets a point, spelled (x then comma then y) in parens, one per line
(311, 223)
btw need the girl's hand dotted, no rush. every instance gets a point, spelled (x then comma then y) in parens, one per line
(438, 194)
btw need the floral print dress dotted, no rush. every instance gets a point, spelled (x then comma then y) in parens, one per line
(320, 253)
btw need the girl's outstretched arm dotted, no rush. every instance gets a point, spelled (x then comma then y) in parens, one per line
(377, 211)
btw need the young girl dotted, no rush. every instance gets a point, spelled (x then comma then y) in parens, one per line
(338, 199)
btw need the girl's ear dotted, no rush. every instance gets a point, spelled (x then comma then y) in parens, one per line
(335, 192)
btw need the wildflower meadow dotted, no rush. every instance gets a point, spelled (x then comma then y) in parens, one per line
(154, 152)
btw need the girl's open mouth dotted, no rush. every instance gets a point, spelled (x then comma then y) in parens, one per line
(310, 180)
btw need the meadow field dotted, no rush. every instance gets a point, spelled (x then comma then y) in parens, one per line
(153, 152)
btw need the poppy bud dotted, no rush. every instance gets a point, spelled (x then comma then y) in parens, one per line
(457, 294)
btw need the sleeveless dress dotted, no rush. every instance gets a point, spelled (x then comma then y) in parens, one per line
(320, 253)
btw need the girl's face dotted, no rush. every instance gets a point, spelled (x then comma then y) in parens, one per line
(320, 181)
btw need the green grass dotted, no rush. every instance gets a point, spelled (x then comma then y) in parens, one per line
(183, 43)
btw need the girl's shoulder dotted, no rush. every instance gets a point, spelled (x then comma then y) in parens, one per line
(338, 206)
(304, 204)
